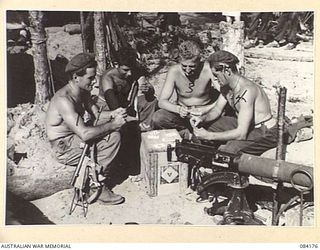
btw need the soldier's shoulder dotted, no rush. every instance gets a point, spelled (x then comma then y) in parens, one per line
(176, 68)
(110, 71)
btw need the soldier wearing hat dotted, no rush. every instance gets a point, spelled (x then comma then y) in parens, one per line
(254, 130)
(66, 128)
(192, 81)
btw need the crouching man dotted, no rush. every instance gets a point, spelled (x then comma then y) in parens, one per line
(67, 129)
(191, 80)
(254, 130)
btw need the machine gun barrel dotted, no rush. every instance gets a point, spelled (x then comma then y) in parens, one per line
(276, 169)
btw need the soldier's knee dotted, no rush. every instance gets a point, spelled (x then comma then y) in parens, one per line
(232, 147)
(157, 118)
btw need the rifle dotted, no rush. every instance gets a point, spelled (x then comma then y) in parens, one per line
(85, 178)
(233, 170)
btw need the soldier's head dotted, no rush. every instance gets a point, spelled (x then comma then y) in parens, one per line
(81, 69)
(189, 52)
(127, 60)
(223, 64)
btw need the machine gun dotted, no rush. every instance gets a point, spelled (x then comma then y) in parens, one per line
(233, 170)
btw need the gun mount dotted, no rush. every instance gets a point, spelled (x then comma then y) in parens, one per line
(233, 170)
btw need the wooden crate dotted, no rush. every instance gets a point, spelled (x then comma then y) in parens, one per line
(160, 176)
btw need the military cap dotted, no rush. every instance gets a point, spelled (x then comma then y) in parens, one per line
(80, 62)
(222, 56)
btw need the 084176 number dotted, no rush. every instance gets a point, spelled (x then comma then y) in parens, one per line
(308, 246)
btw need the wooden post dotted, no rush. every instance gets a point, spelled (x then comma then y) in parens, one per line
(83, 33)
(113, 33)
(280, 154)
(100, 42)
(233, 37)
(40, 58)
(281, 149)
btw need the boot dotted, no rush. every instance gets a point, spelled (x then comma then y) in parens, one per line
(261, 44)
(249, 44)
(273, 44)
(110, 198)
(290, 46)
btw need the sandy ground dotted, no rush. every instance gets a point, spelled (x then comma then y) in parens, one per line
(296, 76)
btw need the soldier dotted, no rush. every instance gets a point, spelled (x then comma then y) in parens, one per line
(67, 129)
(192, 81)
(116, 87)
(254, 130)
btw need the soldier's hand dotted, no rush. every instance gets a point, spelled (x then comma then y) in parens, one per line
(183, 111)
(196, 112)
(118, 121)
(200, 133)
(143, 84)
(195, 121)
(120, 111)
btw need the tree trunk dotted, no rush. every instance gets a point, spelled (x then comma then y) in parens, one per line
(83, 32)
(40, 59)
(233, 38)
(100, 42)
(113, 34)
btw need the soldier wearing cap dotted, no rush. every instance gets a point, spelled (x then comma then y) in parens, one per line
(192, 81)
(254, 130)
(66, 128)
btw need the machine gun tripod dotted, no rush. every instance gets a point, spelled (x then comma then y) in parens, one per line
(233, 170)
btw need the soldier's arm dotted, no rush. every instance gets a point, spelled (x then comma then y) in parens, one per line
(167, 92)
(214, 80)
(93, 110)
(75, 122)
(108, 92)
(216, 110)
(90, 106)
(245, 116)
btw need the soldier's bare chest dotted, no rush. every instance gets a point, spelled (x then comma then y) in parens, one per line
(234, 99)
(193, 87)
(121, 85)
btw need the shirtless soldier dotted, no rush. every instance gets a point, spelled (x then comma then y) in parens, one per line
(192, 80)
(66, 128)
(254, 131)
(116, 87)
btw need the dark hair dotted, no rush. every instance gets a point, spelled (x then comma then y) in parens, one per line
(224, 57)
(127, 56)
(82, 71)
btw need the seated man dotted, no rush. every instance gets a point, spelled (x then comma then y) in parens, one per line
(66, 128)
(117, 88)
(126, 86)
(254, 131)
(192, 81)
